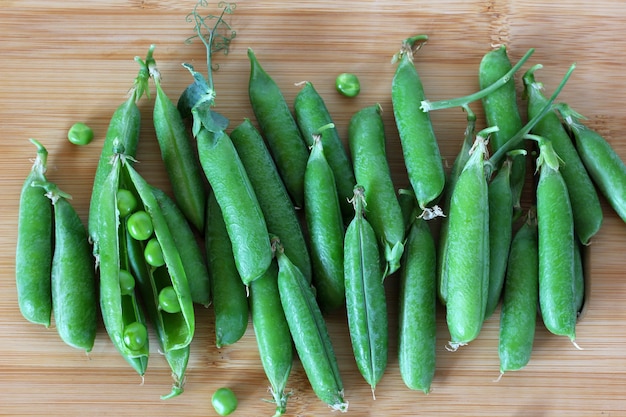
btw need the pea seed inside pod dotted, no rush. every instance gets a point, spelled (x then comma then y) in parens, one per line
(126, 202)
(135, 335)
(168, 300)
(127, 282)
(153, 253)
(140, 225)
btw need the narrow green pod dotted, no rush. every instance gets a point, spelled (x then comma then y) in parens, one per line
(417, 325)
(366, 305)
(188, 248)
(312, 114)
(272, 335)
(582, 192)
(325, 228)
(367, 146)
(230, 303)
(518, 315)
(309, 333)
(579, 278)
(278, 210)
(243, 216)
(73, 278)
(279, 128)
(419, 145)
(33, 251)
(177, 359)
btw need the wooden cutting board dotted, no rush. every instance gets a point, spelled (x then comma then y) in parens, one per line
(64, 61)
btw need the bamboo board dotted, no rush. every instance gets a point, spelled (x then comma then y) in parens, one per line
(64, 62)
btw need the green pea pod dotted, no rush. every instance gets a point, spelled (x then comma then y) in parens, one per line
(309, 333)
(556, 246)
(73, 278)
(230, 302)
(501, 109)
(371, 168)
(500, 232)
(582, 192)
(181, 162)
(243, 216)
(278, 210)
(272, 335)
(177, 359)
(33, 252)
(366, 305)
(579, 279)
(325, 227)
(417, 327)
(311, 115)
(518, 315)
(279, 128)
(467, 272)
(190, 252)
(419, 145)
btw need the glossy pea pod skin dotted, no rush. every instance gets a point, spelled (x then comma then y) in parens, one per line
(279, 128)
(467, 276)
(417, 325)
(34, 248)
(240, 208)
(189, 250)
(230, 302)
(366, 305)
(518, 315)
(309, 333)
(272, 335)
(326, 231)
(583, 195)
(312, 114)
(278, 210)
(419, 145)
(367, 146)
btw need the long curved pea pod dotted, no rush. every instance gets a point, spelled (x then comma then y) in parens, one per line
(326, 230)
(309, 333)
(73, 278)
(278, 210)
(366, 305)
(233, 190)
(467, 276)
(371, 168)
(312, 114)
(556, 246)
(279, 128)
(188, 248)
(272, 335)
(179, 157)
(604, 165)
(417, 326)
(582, 192)
(33, 251)
(230, 302)
(518, 315)
(419, 145)
(500, 232)
(502, 110)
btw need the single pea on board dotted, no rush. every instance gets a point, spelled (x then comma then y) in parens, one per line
(224, 401)
(80, 134)
(348, 84)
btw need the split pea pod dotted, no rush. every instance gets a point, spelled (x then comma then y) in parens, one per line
(230, 302)
(467, 272)
(278, 210)
(326, 230)
(518, 315)
(309, 333)
(419, 145)
(33, 253)
(234, 193)
(367, 146)
(311, 114)
(366, 305)
(417, 327)
(272, 335)
(583, 195)
(279, 128)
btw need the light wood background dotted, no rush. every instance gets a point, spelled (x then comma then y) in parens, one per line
(65, 61)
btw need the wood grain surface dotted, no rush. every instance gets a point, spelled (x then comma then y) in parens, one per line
(64, 61)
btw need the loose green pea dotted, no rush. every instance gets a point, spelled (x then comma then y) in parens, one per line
(126, 202)
(127, 282)
(153, 253)
(348, 84)
(135, 335)
(224, 401)
(168, 300)
(140, 225)
(80, 134)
